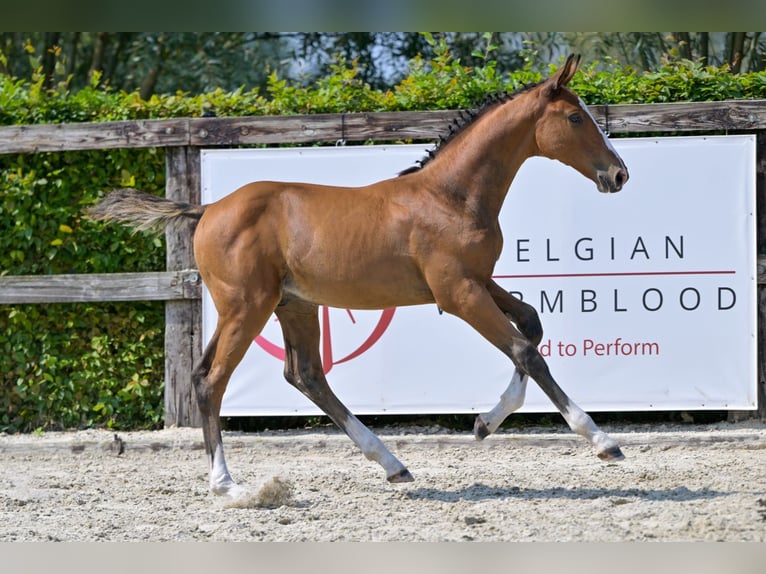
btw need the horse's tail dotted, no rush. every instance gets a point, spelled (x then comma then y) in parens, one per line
(142, 211)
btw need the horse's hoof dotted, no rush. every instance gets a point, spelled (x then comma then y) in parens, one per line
(480, 430)
(614, 453)
(227, 489)
(401, 476)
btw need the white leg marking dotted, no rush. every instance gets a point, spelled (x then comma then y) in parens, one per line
(581, 423)
(511, 400)
(372, 447)
(221, 482)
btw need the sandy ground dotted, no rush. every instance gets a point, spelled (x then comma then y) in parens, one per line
(680, 483)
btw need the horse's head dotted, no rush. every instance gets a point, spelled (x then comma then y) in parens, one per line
(566, 131)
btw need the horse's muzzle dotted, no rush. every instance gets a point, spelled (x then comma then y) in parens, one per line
(612, 180)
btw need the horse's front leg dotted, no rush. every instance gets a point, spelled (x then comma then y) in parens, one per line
(528, 322)
(510, 401)
(472, 302)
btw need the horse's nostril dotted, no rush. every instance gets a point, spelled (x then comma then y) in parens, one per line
(620, 178)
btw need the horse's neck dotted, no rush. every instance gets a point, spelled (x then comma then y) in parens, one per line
(478, 166)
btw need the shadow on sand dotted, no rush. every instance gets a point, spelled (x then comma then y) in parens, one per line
(478, 491)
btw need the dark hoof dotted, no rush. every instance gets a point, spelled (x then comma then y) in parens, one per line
(613, 453)
(480, 430)
(401, 476)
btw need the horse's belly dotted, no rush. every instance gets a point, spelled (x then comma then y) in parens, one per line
(358, 294)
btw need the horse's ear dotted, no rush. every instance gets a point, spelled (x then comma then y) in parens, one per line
(564, 74)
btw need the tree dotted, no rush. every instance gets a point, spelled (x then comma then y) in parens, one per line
(146, 61)
(167, 62)
(741, 51)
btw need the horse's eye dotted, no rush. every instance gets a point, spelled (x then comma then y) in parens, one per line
(575, 118)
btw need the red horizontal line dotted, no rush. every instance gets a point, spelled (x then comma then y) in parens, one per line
(615, 274)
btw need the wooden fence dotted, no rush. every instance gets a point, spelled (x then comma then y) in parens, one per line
(179, 286)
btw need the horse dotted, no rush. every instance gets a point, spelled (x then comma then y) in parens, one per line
(429, 234)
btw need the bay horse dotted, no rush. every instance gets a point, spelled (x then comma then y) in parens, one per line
(428, 235)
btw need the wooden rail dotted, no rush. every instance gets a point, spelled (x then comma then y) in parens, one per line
(182, 138)
(738, 115)
(80, 288)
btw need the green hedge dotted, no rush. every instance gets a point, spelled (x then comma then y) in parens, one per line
(83, 365)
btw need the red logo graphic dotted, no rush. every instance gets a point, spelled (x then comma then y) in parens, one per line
(328, 359)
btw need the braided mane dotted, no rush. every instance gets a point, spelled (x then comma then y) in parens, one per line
(464, 119)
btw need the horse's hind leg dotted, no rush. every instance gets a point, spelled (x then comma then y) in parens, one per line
(528, 322)
(303, 370)
(233, 335)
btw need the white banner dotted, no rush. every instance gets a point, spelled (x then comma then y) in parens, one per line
(647, 296)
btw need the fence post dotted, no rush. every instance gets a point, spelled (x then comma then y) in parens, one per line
(760, 208)
(183, 319)
(760, 244)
